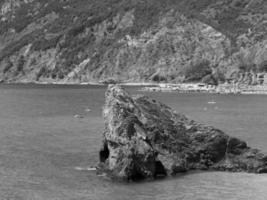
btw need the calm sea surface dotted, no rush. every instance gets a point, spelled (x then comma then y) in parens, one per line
(44, 148)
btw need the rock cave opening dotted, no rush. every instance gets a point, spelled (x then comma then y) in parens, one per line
(104, 153)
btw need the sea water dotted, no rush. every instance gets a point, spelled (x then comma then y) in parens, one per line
(50, 136)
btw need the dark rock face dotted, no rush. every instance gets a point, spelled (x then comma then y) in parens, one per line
(144, 138)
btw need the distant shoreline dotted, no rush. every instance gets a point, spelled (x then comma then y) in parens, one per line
(202, 88)
(77, 83)
(165, 87)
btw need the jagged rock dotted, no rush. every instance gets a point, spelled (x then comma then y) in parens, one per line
(144, 138)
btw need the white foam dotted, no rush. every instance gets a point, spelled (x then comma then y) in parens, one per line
(85, 168)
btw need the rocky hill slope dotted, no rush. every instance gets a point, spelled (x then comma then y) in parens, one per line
(131, 40)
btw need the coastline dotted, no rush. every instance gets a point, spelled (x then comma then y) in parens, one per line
(137, 84)
(202, 88)
(49, 83)
(163, 87)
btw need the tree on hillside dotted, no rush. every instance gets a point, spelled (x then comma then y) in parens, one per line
(209, 80)
(8, 66)
(197, 70)
(263, 66)
(20, 64)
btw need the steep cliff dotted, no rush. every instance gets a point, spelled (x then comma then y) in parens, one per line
(129, 40)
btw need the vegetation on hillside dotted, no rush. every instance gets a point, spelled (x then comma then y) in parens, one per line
(82, 40)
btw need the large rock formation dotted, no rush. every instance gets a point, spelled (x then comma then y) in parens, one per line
(144, 138)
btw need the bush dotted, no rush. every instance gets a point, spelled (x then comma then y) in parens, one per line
(263, 66)
(43, 44)
(219, 76)
(76, 30)
(21, 63)
(197, 70)
(41, 72)
(159, 78)
(247, 67)
(8, 66)
(209, 80)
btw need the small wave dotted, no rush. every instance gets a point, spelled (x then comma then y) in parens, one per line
(85, 168)
(212, 102)
(87, 110)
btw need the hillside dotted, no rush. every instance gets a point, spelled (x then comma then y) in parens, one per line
(132, 40)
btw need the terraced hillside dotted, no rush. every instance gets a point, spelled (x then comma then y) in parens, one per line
(132, 40)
